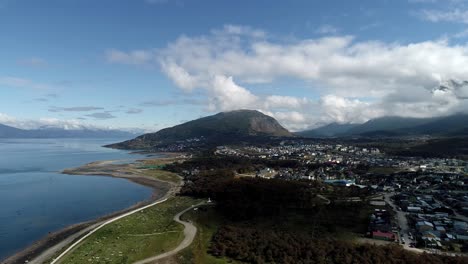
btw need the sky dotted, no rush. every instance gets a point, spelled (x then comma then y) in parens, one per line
(150, 64)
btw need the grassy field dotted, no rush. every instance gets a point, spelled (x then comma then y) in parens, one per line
(161, 161)
(141, 235)
(207, 222)
(162, 175)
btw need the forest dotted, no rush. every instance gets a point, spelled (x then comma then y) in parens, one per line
(267, 246)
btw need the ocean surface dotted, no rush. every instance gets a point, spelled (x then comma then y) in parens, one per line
(36, 199)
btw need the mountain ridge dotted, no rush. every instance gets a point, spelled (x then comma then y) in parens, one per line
(55, 132)
(394, 126)
(222, 127)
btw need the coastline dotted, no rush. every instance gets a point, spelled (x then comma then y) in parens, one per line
(56, 241)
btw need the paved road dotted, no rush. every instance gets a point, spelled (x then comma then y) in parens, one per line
(403, 223)
(56, 260)
(189, 232)
(50, 252)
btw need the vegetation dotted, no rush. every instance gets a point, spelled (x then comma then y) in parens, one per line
(207, 221)
(267, 246)
(138, 236)
(162, 175)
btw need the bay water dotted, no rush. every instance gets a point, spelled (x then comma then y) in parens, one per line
(35, 198)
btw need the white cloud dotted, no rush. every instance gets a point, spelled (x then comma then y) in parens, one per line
(227, 95)
(345, 110)
(42, 122)
(287, 102)
(356, 80)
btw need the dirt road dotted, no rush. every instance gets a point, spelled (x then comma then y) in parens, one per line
(189, 232)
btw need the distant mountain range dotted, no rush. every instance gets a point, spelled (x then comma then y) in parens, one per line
(393, 126)
(54, 132)
(223, 127)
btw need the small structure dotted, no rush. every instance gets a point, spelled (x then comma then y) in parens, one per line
(424, 226)
(342, 182)
(413, 209)
(387, 236)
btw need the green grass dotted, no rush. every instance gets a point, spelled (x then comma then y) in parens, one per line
(207, 223)
(141, 235)
(163, 175)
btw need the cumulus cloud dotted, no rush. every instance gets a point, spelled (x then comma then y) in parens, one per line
(42, 122)
(355, 80)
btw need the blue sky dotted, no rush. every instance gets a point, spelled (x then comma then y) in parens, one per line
(149, 64)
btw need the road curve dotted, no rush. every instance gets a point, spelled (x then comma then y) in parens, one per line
(189, 234)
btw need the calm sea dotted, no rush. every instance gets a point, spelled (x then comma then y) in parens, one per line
(35, 199)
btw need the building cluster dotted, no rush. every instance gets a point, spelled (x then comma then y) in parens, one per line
(433, 223)
(381, 226)
(431, 194)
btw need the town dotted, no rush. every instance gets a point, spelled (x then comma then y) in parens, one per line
(420, 203)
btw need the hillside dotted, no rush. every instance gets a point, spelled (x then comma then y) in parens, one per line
(54, 132)
(222, 127)
(395, 126)
(330, 130)
(8, 132)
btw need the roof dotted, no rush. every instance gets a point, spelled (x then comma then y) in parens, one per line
(426, 223)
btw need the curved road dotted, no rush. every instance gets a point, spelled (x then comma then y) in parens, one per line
(189, 234)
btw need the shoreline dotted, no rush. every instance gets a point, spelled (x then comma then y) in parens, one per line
(160, 190)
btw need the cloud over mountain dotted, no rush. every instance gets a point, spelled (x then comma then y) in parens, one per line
(355, 80)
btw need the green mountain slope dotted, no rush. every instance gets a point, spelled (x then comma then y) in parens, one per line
(222, 127)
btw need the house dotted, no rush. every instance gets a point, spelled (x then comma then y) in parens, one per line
(431, 234)
(387, 236)
(424, 226)
(440, 229)
(460, 226)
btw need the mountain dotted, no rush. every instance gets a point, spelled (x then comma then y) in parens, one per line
(54, 132)
(395, 126)
(223, 127)
(330, 130)
(8, 131)
(388, 123)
